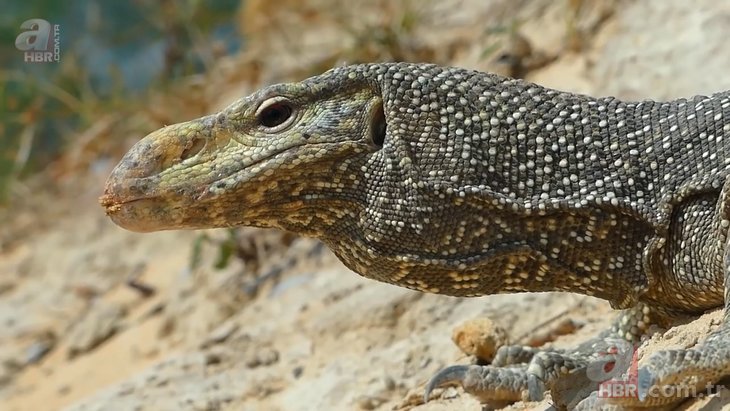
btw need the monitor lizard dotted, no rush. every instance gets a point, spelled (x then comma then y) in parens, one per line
(458, 182)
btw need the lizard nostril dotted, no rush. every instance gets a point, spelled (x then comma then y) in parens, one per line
(192, 148)
(378, 125)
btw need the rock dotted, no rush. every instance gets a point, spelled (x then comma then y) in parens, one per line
(366, 402)
(262, 357)
(298, 371)
(101, 322)
(220, 334)
(214, 357)
(480, 337)
(38, 349)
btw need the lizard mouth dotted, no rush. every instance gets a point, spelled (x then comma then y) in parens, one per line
(112, 203)
(140, 214)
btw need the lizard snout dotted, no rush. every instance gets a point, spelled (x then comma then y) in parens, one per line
(138, 175)
(154, 154)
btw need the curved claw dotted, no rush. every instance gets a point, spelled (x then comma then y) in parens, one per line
(535, 388)
(646, 379)
(454, 374)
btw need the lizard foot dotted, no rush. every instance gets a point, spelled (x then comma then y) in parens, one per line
(685, 373)
(525, 373)
(668, 377)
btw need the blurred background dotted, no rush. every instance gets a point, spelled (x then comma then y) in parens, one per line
(96, 318)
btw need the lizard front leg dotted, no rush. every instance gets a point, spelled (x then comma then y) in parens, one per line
(697, 276)
(693, 371)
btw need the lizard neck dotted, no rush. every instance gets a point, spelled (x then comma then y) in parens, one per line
(485, 249)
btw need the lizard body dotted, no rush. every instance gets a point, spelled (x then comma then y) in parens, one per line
(458, 182)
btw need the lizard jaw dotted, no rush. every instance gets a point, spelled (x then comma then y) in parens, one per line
(142, 213)
(125, 213)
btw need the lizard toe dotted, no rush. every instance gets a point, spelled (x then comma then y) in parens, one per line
(519, 380)
(452, 375)
(645, 380)
(486, 382)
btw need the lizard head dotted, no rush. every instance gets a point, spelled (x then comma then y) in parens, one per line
(387, 163)
(263, 161)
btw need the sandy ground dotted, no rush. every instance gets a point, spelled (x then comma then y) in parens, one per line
(76, 336)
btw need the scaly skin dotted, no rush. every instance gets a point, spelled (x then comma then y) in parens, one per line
(463, 183)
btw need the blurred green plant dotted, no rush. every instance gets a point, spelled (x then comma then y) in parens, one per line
(226, 248)
(392, 36)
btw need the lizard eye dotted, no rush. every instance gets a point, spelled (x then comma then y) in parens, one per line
(275, 113)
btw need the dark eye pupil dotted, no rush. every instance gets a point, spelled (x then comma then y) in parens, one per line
(274, 115)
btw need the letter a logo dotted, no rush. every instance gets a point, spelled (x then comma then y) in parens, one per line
(36, 37)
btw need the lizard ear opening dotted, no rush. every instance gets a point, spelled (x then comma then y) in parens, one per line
(378, 126)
